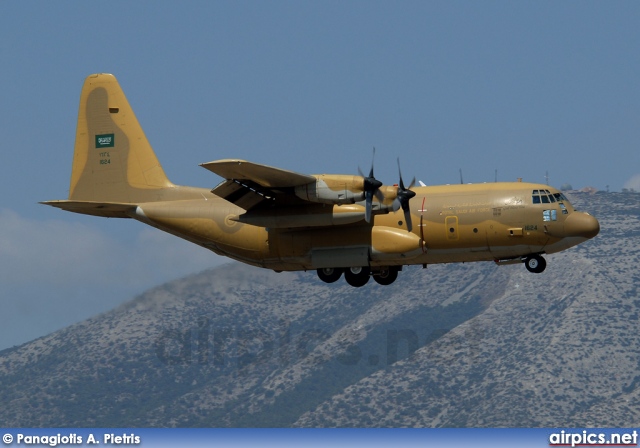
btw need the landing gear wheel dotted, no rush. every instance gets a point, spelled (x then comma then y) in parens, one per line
(386, 276)
(358, 276)
(329, 275)
(535, 264)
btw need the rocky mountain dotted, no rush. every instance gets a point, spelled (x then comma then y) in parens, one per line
(453, 345)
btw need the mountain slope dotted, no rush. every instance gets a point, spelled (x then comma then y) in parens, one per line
(208, 349)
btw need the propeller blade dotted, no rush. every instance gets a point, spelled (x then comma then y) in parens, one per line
(403, 196)
(401, 184)
(368, 205)
(407, 219)
(373, 157)
(396, 204)
(371, 187)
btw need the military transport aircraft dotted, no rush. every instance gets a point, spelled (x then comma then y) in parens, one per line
(286, 221)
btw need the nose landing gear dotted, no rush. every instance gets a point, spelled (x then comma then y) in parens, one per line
(535, 263)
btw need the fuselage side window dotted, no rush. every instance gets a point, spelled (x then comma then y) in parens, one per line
(564, 209)
(550, 215)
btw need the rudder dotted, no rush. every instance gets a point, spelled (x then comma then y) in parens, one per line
(113, 160)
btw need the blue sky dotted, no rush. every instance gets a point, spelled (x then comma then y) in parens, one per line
(521, 87)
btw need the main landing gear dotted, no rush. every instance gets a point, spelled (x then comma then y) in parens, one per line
(359, 276)
(386, 276)
(535, 263)
(329, 275)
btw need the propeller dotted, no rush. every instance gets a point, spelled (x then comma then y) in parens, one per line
(402, 198)
(371, 188)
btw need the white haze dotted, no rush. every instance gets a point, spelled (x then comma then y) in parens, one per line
(54, 273)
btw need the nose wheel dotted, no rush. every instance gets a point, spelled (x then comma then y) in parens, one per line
(535, 263)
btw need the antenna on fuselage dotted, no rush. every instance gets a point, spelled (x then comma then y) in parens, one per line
(461, 182)
(496, 176)
(546, 177)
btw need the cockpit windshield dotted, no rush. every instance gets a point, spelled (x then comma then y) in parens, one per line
(546, 197)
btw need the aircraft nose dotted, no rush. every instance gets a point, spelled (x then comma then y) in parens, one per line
(581, 224)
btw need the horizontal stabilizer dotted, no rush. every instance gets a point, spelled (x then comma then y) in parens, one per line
(104, 209)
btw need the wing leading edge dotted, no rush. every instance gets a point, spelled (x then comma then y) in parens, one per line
(263, 175)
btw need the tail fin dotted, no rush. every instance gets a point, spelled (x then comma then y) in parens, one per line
(113, 162)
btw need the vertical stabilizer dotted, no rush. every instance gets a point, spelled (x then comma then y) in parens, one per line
(113, 161)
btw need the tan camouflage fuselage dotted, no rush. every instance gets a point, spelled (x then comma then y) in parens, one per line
(454, 223)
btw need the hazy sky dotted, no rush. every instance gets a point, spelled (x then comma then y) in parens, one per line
(521, 87)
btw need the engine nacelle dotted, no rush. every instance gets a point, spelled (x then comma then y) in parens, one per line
(333, 189)
(388, 243)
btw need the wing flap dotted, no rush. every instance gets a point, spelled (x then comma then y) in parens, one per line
(240, 194)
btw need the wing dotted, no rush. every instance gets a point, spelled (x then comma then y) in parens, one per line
(249, 184)
(273, 197)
